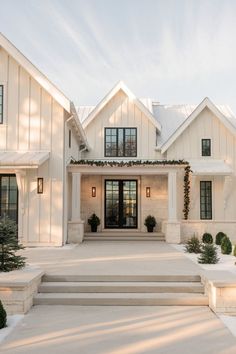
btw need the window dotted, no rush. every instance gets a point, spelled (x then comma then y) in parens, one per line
(1, 104)
(120, 142)
(69, 138)
(206, 200)
(206, 147)
(9, 197)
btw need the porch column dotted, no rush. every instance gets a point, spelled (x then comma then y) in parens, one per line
(76, 225)
(172, 225)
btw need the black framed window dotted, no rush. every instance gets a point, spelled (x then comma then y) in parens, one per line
(69, 138)
(9, 197)
(206, 147)
(120, 142)
(1, 104)
(206, 200)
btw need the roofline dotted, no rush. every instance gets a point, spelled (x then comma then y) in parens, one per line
(206, 103)
(35, 73)
(120, 86)
(78, 125)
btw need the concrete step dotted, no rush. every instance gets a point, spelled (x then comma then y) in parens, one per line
(124, 236)
(121, 287)
(124, 299)
(121, 278)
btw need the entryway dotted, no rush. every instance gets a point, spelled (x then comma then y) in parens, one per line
(121, 204)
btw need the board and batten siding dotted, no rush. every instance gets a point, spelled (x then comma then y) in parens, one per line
(120, 111)
(34, 121)
(223, 147)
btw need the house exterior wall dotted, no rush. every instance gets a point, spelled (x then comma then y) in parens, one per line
(121, 111)
(34, 121)
(156, 205)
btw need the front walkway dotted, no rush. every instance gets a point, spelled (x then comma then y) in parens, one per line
(112, 257)
(120, 330)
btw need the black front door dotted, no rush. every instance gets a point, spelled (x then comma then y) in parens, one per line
(121, 204)
(9, 197)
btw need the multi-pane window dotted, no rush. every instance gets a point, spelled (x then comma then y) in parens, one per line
(120, 142)
(8, 197)
(206, 147)
(206, 200)
(1, 104)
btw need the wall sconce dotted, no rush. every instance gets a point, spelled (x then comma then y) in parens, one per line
(40, 185)
(93, 192)
(148, 192)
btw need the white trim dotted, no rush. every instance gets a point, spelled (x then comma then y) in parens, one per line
(120, 86)
(35, 73)
(206, 103)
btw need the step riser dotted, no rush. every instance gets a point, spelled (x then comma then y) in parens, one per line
(123, 239)
(121, 278)
(120, 289)
(122, 302)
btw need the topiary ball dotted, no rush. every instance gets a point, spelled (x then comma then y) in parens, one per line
(226, 246)
(207, 238)
(3, 316)
(219, 237)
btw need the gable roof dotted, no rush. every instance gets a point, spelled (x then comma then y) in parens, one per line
(120, 86)
(226, 119)
(35, 73)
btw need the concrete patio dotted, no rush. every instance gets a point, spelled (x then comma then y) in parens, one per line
(120, 330)
(112, 258)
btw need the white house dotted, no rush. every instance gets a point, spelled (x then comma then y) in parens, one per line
(124, 159)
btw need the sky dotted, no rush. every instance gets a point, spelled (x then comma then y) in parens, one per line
(173, 51)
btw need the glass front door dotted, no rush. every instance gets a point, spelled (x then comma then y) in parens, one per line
(121, 204)
(9, 197)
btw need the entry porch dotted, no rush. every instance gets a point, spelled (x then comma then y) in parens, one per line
(122, 197)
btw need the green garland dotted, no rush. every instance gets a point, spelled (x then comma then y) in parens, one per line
(131, 163)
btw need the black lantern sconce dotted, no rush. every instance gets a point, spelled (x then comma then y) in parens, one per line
(93, 192)
(40, 185)
(148, 192)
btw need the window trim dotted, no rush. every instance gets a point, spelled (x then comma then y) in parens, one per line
(211, 203)
(117, 129)
(210, 154)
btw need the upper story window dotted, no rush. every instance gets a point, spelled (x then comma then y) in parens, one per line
(120, 142)
(1, 104)
(206, 147)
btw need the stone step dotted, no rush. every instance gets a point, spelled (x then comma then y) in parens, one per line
(121, 287)
(124, 238)
(121, 278)
(124, 299)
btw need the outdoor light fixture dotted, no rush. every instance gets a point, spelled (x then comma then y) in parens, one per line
(93, 191)
(148, 192)
(40, 185)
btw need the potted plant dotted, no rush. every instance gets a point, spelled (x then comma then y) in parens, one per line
(94, 221)
(150, 222)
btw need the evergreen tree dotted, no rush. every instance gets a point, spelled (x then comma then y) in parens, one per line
(226, 246)
(208, 254)
(193, 245)
(3, 316)
(9, 246)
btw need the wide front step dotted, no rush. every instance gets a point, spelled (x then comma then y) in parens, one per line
(121, 278)
(121, 287)
(124, 236)
(121, 299)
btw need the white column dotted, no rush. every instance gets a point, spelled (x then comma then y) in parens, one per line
(76, 196)
(76, 225)
(173, 229)
(172, 196)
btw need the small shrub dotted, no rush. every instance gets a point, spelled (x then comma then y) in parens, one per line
(9, 246)
(3, 316)
(219, 237)
(226, 246)
(208, 254)
(207, 238)
(193, 245)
